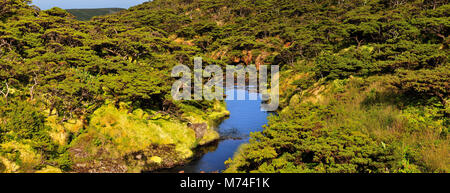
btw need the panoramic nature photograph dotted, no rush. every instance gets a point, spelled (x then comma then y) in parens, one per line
(224, 86)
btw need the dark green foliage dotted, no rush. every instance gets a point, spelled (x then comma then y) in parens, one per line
(51, 62)
(301, 137)
(335, 66)
(136, 83)
(25, 123)
(11, 7)
(433, 82)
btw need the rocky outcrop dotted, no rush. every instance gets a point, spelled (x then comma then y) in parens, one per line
(199, 128)
(103, 165)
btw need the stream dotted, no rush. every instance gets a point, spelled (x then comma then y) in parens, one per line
(245, 117)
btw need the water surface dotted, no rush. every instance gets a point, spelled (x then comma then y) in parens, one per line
(245, 117)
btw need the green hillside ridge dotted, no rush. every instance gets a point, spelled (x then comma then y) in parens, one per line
(87, 14)
(364, 85)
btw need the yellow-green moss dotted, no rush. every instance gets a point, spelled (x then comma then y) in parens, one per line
(60, 132)
(218, 113)
(49, 169)
(133, 132)
(8, 166)
(116, 134)
(19, 157)
(210, 135)
(156, 159)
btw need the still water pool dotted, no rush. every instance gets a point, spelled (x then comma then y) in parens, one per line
(245, 117)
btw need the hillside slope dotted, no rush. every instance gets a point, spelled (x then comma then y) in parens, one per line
(364, 85)
(79, 97)
(87, 14)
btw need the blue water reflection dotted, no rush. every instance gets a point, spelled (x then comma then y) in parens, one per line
(245, 117)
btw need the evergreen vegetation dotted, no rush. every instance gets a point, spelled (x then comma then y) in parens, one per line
(365, 85)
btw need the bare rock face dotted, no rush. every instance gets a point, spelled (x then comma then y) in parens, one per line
(199, 128)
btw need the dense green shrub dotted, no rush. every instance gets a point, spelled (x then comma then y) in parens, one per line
(334, 54)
